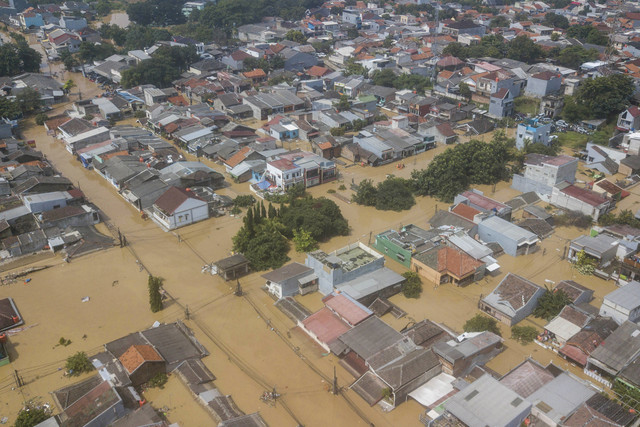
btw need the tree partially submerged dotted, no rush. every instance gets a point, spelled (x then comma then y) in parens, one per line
(551, 303)
(480, 323)
(32, 415)
(155, 297)
(524, 334)
(78, 364)
(412, 287)
(391, 194)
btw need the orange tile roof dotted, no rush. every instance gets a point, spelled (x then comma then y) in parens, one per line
(178, 100)
(325, 145)
(136, 355)
(238, 158)
(456, 262)
(445, 74)
(54, 123)
(318, 71)
(258, 72)
(465, 211)
(419, 57)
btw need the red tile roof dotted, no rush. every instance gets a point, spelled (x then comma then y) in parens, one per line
(239, 55)
(587, 196)
(318, 71)
(346, 308)
(283, 164)
(483, 201)
(456, 262)
(178, 100)
(136, 355)
(325, 325)
(237, 158)
(465, 211)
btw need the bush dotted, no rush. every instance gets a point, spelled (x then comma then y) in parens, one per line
(342, 187)
(155, 298)
(394, 194)
(573, 219)
(78, 364)
(41, 118)
(480, 323)
(337, 131)
(64, 342)
(366, 194)
(235, 210)
(158, 381)
(412, 287)
(331, 191)
(244, 201)
(139, 114)
(524, 334)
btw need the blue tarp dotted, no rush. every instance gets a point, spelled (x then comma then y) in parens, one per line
(263, 185)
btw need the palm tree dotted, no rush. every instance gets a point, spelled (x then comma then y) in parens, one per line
(68, 85)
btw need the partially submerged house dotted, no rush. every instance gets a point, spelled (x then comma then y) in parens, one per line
(512, 300)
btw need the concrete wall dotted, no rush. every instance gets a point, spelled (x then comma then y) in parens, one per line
(385, 247)
(540, 88)
(617, 313)
(562, 200)
(525, 185)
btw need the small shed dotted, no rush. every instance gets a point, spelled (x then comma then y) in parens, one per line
(232, 267)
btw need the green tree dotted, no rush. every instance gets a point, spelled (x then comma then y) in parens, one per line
(41, 118)
(78, 364)
(604, 96)
(68, 60)
(68, 85)
(522, 48)
(584, 263)
(367, 193)
(385, 77)
(156, 12)
(354, 68)
(388, 42)
(268, 249)
(304, 241)
(158, 380)
(155, 298)
(295, 36)
(524, 334)
(272, 212)
(555, 37)
(31, 415)
(28, 100)
(557, 21)
(499, 21)
(480, 323)
(465, 90)
(551, 303)
(575, 56)
(412, 287)
(343, 104)
(574, 111)
(352, 33)
(394, 194)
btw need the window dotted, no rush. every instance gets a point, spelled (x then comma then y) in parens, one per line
(400, 257)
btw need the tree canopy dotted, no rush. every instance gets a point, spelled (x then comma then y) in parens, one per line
(551, 303)
(604, 96)
(167, 64)
(31, 415)
(391, 194)
(480, 323)
(134, 36)
(156, 12)
(588, 34)
(483, 163)
(17, 58)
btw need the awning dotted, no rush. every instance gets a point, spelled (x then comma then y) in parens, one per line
(493, 267)
(307, 279)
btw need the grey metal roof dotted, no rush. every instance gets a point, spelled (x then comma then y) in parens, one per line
(561, 396)
(595, 245)
(288, 271)
(486, 402)
(627, 296)
(371, 282)
(508, 229)
(173, 343)
(618, 349)
(370, 336)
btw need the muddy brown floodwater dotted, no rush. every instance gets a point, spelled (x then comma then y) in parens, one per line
(253, 346)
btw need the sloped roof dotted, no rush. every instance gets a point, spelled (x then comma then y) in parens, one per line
(527, 378)
(325, 325)
(136, 355)
(172, 199)
(512, 294)
(465, 211)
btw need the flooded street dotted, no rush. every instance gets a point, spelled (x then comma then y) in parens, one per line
(253, 345)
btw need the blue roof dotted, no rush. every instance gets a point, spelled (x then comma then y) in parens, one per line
(128, 96)
(263, 185)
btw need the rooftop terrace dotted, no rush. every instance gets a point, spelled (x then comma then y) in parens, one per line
(348, 258)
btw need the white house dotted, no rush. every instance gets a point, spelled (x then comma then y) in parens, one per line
(622, 304)
(177, 208)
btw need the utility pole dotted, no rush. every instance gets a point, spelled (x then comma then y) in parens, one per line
(335, 382)
(19, 382)
(238, 291)
(120, 238)
(186, 312)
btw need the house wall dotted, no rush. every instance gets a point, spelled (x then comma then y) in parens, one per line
(619, 314)
(539, 87)
(426, 271)
(330, 277)
(88, 218)
(288, 287)
(393, 251)
(402, 394)
(145, 372)
(552, 175)
(525, 185)
(562, 200)
(535, 134)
